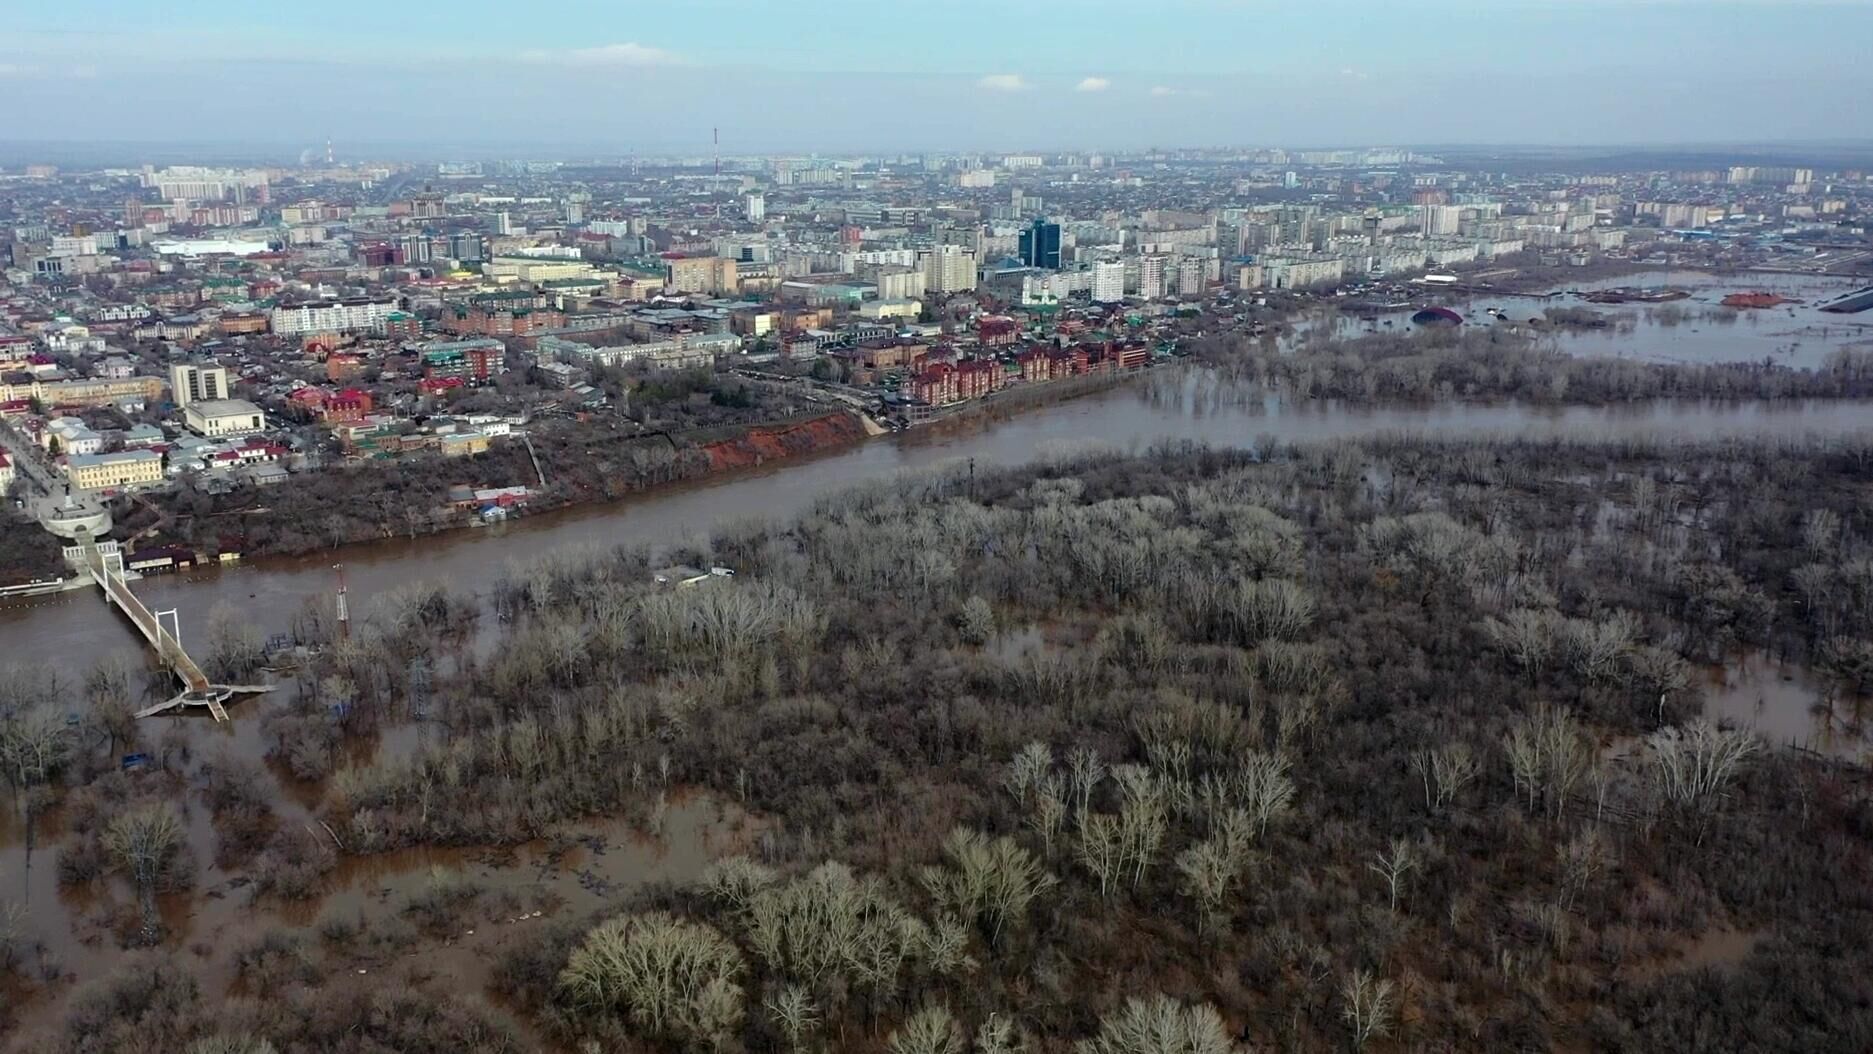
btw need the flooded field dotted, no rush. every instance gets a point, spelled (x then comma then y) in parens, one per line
(1697, 329)
(1791, 706)
(447, 912)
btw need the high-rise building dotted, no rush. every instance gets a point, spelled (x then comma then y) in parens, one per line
(466, 245)
(332, 316)
(1108, 282)
(1040, 245)
(503, 223)
(754, 207)
(949, 269)
(190, 183)
(193, 383)
(1151, 277)
(716, 275)
(1440, 220)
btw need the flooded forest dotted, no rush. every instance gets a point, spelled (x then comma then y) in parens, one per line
(1399, 742)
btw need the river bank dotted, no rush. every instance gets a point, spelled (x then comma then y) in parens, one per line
(76, 628)
(718, 452)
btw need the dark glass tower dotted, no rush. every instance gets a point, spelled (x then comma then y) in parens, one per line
(1040, 245)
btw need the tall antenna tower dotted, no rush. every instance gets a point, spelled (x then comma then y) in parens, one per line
(715, 183)
(328, 150)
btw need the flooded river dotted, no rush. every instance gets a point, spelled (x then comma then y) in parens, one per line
(585, 867)
(73, 629)
(1695, 330)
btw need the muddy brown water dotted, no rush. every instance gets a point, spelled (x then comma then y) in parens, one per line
(582, 870)
(73, 629)
(1790, 705)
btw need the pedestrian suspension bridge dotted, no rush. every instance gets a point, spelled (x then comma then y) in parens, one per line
(107, 570)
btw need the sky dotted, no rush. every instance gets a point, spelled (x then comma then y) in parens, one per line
(622, 77)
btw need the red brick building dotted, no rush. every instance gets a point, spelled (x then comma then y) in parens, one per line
(343, 365)
(994, 330)
(977, 378)
(935, 386)
(347, 407)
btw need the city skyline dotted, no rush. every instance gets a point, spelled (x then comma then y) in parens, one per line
(843, 76)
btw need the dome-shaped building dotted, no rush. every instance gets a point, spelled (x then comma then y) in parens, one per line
(1437, 316)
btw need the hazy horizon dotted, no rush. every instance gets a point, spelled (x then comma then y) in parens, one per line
(841, 76)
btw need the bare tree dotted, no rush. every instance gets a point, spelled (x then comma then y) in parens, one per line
(931, 1029)
(1048, 814)
(1444, 772)
(794, 1013)
(1101, 849)
(1265, 788)
(670, 977)
(988, 880)
(1692, 767)
(1160, 1025)
(833, 932)
(1143, 819)
(1820, 531)
(1209, 872)
(1548, 753)
(1527, 636)
(1393, 865)
(1026, 771)
(230, 1045)
(1367, 1005)
(735, 880)
(1086, 770)
(1580, 861)
(997, 1036)
(33, 744)
(146, 843)
(976, 622)
(1596, 650)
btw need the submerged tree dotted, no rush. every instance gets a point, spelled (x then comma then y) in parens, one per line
(230, 1045)
(1160, 1025)
(987, 880)
(932, 1029)
(976, 622)
(1549, 753)
(1692, 767)
(146, 843)
(669, 977)
(795, 1014)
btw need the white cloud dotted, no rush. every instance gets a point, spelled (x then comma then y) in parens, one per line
(1094, 84)
(1003, 82)
(626, 54)
(1164, 92)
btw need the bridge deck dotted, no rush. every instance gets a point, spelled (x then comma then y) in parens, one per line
(167, 648)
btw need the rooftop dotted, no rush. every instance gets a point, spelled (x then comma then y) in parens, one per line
(222, 407)
(84, 460)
